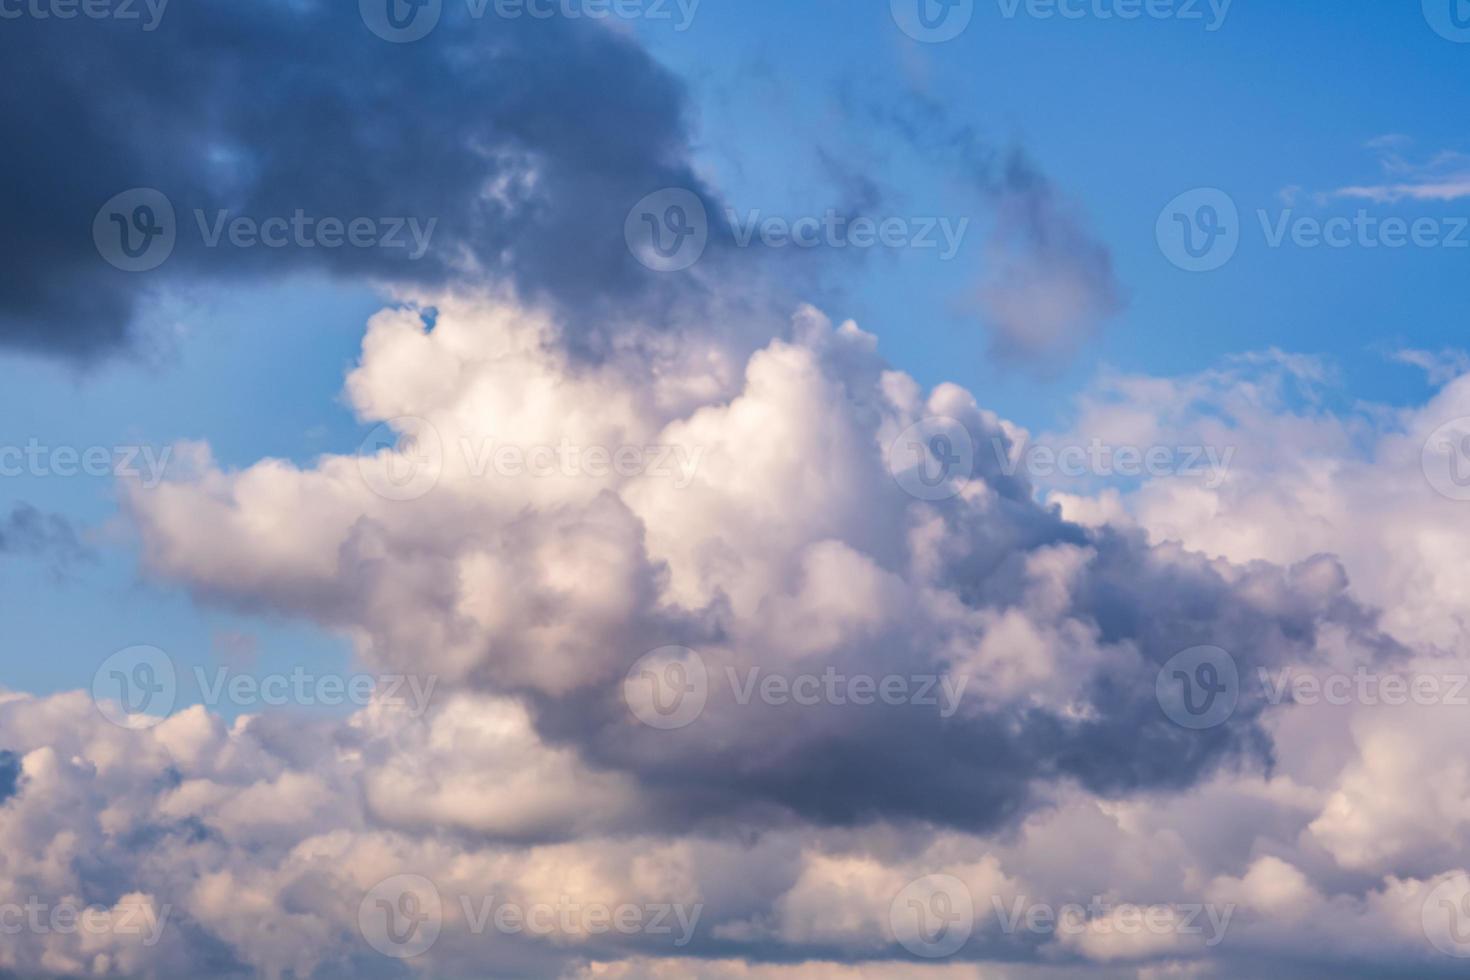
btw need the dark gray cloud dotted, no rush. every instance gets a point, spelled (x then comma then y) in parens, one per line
(979, 771)
(1116, 611)
(527, 141)
(27, 531)
(1047, 282)
(753, 764)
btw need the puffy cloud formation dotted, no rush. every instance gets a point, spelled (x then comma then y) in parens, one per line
(731, 685)
(774, 543)
(751, 658)
(1378, 488)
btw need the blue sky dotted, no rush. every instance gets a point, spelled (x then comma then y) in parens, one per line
(1120, 115)
(252, 386)
(1182, 232)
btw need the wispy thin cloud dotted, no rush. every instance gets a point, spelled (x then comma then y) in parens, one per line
(1443, 177)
